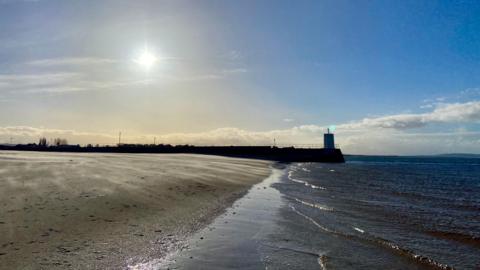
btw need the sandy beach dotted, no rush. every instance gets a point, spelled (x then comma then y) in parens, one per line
(110, 211)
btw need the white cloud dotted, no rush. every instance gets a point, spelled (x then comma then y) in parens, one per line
(443, 113)
(392, 134)
(456, 112)
(401, 143)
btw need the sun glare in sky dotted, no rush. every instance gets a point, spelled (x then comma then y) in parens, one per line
(146, 59)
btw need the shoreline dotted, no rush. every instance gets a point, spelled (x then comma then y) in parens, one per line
(110, 211)
(241, 233)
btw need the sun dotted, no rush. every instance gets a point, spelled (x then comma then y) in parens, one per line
(146, 59)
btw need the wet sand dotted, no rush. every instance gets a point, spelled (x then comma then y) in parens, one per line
(111, 211)
(242, 234)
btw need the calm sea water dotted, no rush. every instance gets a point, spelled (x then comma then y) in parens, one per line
(369, 213)
(387, 212)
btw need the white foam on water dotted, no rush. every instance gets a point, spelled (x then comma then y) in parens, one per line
(314, 205)
(321, 258)
(304, 182)
(322, 262)
(358, 230)
(311, 220)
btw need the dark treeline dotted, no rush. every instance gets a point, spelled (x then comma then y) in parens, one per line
(287, 154)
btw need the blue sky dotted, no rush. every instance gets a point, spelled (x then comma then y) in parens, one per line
(402, 74)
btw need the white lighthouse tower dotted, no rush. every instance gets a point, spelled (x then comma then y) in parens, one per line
(328, 139)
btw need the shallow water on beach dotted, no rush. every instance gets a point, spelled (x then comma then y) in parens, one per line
(369, 213)
(234, 238)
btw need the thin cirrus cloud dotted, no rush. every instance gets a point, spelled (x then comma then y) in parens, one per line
(26, 82)
(235, 70)
(54, 62)
(47, 76)
(214, 75)
(96, 73)
(61, 82)
(86, 61)
(85, 78)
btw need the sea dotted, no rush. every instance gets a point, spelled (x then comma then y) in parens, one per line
(371, 212)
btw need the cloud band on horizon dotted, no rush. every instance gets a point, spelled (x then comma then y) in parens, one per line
(368, 135)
